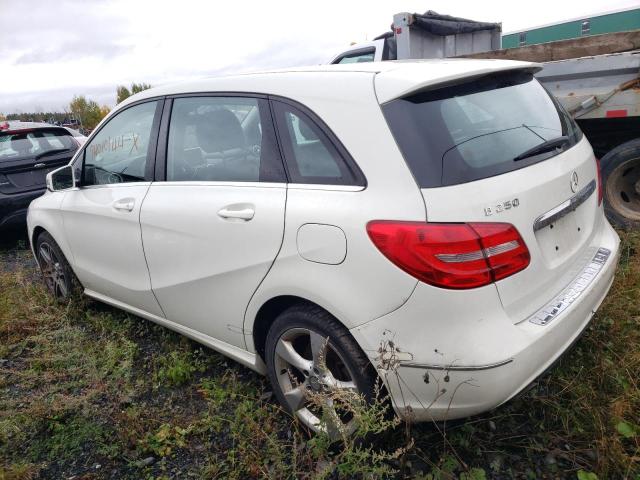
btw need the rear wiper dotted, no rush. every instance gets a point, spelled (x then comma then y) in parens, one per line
(543, 147)
(51, 152)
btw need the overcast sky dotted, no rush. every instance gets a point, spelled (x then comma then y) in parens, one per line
(51, 50)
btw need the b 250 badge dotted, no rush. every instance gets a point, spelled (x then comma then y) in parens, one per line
(501, 207)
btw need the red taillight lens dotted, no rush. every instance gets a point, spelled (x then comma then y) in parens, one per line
(452, 255)
(503, 247)
(600, 189)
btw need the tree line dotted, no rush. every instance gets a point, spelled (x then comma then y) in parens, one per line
(81, 112)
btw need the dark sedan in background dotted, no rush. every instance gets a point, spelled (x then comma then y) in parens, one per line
(28, 151)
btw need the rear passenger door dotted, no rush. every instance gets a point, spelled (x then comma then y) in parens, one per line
(212, 223)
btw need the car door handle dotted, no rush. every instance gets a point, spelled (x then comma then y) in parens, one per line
(242, 213)
(126, 204)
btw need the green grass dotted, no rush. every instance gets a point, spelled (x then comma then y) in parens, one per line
(90, 391)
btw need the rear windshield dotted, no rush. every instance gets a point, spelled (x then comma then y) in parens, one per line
(35, 144)
(478, 129)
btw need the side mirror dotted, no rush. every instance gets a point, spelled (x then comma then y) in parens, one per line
(61, 179)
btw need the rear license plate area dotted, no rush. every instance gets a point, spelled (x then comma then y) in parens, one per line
(561, 239)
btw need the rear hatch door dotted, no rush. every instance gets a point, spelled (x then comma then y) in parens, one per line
(26, 156)
(559, 249)
(500, 149)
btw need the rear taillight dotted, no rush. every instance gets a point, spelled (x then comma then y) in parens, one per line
(452, 255)
(600, 189)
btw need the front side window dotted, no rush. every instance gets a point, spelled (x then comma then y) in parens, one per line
(118, 152)
(311, 155)
(479, 129)
(222, 139)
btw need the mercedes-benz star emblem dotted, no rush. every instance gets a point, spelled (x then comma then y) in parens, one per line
(574, 182)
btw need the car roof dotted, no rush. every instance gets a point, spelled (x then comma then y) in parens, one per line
(18, 126)
(393, 78)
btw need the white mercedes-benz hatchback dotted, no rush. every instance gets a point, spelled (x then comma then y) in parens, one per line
(435, 224)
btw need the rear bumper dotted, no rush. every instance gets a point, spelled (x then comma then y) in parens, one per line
(13, 208)
(467, 358)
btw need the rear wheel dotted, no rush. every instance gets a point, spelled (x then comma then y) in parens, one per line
(621, 173)
(56, 271)
(317, 369)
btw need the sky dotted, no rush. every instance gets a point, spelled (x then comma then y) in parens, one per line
(53, 50)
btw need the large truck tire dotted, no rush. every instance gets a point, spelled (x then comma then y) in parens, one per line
(621, 179)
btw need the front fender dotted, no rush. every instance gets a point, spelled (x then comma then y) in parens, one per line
(45, 213)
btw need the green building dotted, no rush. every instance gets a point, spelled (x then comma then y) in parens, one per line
(617, 21)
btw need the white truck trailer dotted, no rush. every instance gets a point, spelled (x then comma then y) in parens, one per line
(596, 78)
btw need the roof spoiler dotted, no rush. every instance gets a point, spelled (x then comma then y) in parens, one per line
(417, 77)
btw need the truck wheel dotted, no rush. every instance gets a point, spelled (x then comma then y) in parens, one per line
(621, 177)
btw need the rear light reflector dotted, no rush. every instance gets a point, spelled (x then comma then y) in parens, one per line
(600, 188)
(452, 255)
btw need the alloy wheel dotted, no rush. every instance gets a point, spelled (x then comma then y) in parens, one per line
(315, 381)
(52, 271)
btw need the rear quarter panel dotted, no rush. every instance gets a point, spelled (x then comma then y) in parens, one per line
(365, 285)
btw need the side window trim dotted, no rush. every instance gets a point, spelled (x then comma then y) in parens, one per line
(267, 120)
(225, 93)
(153, 139)
(160, 173)
(150, 166)
(278, 139)
(348, 163)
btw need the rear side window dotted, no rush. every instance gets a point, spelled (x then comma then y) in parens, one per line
(35, 144)
(222, 139)
(311, 155)
(478, 129)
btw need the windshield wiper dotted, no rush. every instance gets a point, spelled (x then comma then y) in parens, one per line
(51, 152)
(543, 147)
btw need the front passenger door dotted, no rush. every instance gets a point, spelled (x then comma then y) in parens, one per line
(102, 215)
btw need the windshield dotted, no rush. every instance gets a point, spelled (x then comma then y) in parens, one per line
(34, 143)
(479, 129)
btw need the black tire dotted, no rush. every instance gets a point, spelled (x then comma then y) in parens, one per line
(57, 274)
(621, 179)
(314, 318)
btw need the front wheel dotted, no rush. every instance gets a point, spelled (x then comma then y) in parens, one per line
(621, 173)
(56, 271)
(317, 370)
